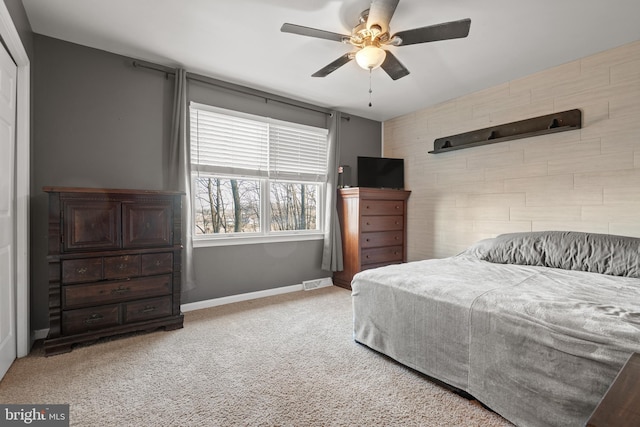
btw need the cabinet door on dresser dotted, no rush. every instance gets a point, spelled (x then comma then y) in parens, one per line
(91, 225)
(114, 263)
(373, 225)
(147, 224)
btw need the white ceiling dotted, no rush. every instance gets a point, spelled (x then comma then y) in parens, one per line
(240, 41)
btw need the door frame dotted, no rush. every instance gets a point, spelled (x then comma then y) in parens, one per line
(16, 49)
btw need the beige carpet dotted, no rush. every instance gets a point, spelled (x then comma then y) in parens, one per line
(288, 360)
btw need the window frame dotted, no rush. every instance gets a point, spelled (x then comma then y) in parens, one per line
(266, 235)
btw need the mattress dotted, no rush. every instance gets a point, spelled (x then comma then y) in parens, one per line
(538, 345)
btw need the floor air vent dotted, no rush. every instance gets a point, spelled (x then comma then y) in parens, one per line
(317, 283)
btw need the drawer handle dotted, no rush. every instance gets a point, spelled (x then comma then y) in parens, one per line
(94, 318)
(368, 223)
(368, 240)
(121, 290)
(368, 207)
(367, 257)
(157, 263)
(397, 223)
(122, 266)
(81, 270)
(397, 207)
(148, 309)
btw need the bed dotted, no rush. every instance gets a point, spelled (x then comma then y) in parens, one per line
(533, 325)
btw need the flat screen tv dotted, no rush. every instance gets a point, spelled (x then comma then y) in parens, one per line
(381, 172)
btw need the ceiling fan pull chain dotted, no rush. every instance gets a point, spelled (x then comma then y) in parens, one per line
(370, 91)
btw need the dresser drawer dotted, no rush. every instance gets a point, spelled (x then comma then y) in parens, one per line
(147, 309)
(380, 264)
(81, 270)
(382, 207)
(88, 319)
(119, 267)
(76, 296)
(381, 238)
(157, 263)
(381, 223)
(381, 255)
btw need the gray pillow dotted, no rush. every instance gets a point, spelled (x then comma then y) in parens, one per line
(570, 250)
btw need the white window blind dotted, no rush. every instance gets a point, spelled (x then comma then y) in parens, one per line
(231, 143)
(297, 153)
(228, 145)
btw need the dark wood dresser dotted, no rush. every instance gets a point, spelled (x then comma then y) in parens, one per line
(373, 223)
(620, 406)
(114, 263)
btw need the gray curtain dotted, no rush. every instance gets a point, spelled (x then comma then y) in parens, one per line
(179, 176)
(332, 251)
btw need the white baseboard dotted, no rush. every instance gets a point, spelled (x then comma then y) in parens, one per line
(39, 334)
(237, 298)
(248, 296)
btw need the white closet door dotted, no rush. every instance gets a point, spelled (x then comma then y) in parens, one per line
(8, 341)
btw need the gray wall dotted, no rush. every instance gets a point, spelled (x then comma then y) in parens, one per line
(360, 137)
(99, 122)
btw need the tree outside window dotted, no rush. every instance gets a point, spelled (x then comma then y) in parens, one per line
(225, 205)
(255, 176)
(229, 205)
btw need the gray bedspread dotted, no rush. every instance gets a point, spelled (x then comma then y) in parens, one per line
(538, 345)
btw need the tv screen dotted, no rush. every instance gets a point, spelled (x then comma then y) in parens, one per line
(380, 172)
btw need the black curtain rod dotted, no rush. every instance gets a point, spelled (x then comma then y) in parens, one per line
(230, 86)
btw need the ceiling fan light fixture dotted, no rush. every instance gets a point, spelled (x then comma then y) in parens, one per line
(370, 57)
(372, 33)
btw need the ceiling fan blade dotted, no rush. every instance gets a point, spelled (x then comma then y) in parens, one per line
(394, 67)
(380, 13)
(325, 71)
(312, 32)
(432, 33)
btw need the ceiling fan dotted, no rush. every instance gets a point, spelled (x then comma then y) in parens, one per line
(372, 33)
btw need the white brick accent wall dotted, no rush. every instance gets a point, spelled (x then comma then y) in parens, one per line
(582, 180)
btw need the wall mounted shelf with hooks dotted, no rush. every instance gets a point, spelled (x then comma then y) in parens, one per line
(543, 125)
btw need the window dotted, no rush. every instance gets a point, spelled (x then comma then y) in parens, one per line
(255, 177)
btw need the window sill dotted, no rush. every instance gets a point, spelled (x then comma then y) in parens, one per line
(253, 240)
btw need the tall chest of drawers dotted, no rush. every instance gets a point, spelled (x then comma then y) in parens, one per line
(373, 223)
(114, 263)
